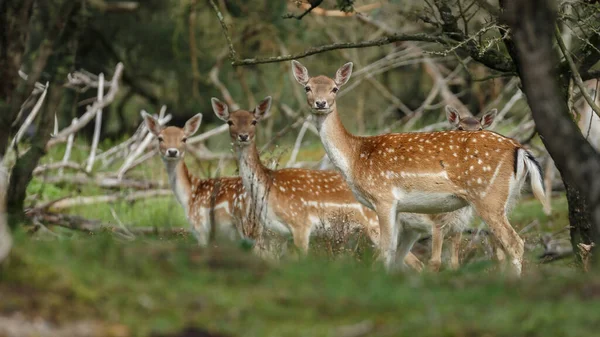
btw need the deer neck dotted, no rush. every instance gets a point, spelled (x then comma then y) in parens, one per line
(339, 144)
(255, 176)
(179, 180)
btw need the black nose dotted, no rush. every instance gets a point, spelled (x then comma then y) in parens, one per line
(320, 104)
(243, 138)
(172, 152)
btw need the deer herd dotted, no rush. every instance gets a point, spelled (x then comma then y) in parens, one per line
(396, 187)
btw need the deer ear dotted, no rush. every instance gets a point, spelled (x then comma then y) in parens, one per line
(262, 108)
(452, 115)
(300, 72)
(220, 109)
(488, 118)
(151, 123)
(342, 75)
(192, 125)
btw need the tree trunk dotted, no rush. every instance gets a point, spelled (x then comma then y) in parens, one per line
(55, 58)
(532, 23)
(14, 32)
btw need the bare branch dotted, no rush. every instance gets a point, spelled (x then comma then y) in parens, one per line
(98, 126)
(345, 45)
(30, 118)
(91, 110)
(69, 148)
(97, 199)
(232, 54)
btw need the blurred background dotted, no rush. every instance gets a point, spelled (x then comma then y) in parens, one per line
(100, 239)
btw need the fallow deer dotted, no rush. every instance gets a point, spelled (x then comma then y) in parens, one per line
(440, 221)
(469, 123)
(293, 201)
(428, 172)
(225, 196)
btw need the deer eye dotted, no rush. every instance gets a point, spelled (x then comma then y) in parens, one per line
(254, 122)
(160, 139)
(230, 123)
(461, 128)
(184, 140)
(335, 90)
(307, 88)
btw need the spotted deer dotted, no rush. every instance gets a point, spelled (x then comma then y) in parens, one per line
(440, 222)
(225, 196)
(292, 200)
(427, 172)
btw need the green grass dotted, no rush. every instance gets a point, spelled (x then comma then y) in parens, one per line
(151, 285)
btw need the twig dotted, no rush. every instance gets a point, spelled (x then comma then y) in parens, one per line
(91, 110)
(575, 73)
(98, 126)
(204, 136)
(213, 75)
(67, 155)
(232, 54)
(30, 118)
(346, 45)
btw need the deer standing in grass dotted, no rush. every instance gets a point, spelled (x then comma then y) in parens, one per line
(429, 172)
(293, 201)
(225, 196)
(440, 222)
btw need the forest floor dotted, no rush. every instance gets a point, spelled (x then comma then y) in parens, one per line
(103, 284)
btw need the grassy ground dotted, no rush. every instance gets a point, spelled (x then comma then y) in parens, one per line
(158, 285)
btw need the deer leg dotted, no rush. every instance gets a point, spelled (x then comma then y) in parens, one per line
(412, 261)
(455, 250)
(406, 241)
(437, 241)
(301, 236)
(508, 238)
(388, 238)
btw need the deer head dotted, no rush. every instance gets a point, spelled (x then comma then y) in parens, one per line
(321, 90)
(469, 123)
(171, 140)
(242, 123)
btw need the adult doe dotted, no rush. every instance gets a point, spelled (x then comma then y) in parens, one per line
(429, 172)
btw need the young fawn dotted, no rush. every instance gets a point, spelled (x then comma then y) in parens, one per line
(293, 201)
(224, 196)
(429, 172)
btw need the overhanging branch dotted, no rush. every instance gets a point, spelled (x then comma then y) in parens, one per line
(345, 45)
